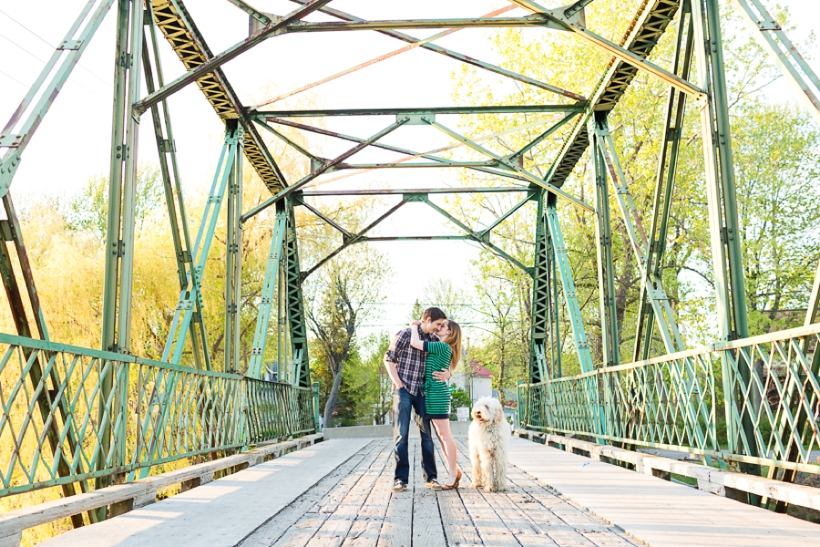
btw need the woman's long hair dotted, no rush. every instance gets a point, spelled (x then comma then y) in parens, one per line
(454, 341)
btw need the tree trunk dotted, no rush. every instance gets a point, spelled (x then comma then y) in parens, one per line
(333, 398)
(502, 364)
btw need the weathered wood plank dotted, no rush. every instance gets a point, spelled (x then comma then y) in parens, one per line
(491, 528)
(335, 529)
(458, 527)
(368, 524)
(223, 512)
(397, 529)
(267, 534)
(427, 526)
(654, 511)
(12, 522)
(312, 520)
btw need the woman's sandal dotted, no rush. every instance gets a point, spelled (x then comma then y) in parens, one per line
(454, 485)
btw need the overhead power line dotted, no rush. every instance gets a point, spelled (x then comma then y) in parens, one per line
(9, 76)
(12, 42)
(46, 42)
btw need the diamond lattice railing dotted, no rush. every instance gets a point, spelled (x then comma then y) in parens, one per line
(57, 428)
(771, 416)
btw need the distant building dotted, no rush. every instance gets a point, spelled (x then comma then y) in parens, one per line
(478, 383)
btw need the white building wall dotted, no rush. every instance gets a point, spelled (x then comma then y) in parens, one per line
(482, 387)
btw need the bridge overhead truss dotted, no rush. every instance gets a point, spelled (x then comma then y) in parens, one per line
(93, 417)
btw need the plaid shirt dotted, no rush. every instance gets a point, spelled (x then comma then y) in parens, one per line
(409, 361)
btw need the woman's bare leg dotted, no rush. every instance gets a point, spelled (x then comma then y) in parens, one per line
(448, 445)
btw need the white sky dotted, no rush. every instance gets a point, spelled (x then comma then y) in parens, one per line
(73, 141)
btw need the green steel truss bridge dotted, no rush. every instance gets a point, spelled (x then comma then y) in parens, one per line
(89, 420)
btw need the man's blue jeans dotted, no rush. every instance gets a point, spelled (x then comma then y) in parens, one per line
(403, 403)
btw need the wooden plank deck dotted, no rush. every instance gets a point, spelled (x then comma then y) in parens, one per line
(362, 511)
(225, 511)
(338, 493)
(658, 512)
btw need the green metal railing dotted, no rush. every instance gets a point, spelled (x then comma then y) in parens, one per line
(54, 420)
(277, 409)
(680, 402)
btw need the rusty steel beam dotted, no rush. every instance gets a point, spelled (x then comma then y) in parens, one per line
(640, 38)
(451, 54)
(176, 24)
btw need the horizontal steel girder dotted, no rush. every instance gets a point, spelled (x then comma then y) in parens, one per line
(414, 191)
(517, 109)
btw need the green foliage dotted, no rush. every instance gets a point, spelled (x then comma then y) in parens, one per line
(418, 310)
(338, 296)
(775, 149)
(368, 385)
(88, 210)
(459, 398)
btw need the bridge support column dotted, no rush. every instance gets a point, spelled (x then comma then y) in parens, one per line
(295, 304)
(272, 277)
(190, 297)
(570, 294)
(174, 200)
(727, 257)
(664, 187)
(119, 263)
(603, 245)
(233, 265)
(545, 363)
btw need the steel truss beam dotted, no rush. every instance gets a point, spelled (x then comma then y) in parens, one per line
(414, 43)
(290, 23)
(543, 329)
(664, 315)
(398, 191)
(325, 167)
(411, 154)
(272, 278)
(190, 298)
(724, 227)
(482, 237)
(173, 20)
(424, 44)
(655, 249)
(271, 115)
(119, 263)
(785, 54)
(233, 269)
(606, 265)
(174, 200)
(807, 84)
(640, 39)
(15, 137)
(216, 61)
(570, 294)
(621, 53)
(295, 303)
(507, 163)
(58, 69)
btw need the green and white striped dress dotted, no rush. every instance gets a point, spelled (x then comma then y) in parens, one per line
(436, 392)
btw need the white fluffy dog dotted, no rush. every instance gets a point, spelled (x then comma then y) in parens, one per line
(489, 435)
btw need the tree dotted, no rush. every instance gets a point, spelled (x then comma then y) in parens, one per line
(780, 256)
(339, 294)
(88, 210)
(369, 387)
(417, 311)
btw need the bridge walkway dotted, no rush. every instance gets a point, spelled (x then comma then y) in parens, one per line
(338, 493)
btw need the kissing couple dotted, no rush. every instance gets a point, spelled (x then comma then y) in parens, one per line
(419, 362)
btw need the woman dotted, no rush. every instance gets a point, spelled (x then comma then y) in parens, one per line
(440, 355)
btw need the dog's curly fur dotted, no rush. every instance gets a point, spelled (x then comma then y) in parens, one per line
(489, 435)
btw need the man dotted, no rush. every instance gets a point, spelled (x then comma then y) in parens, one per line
(405, 365)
